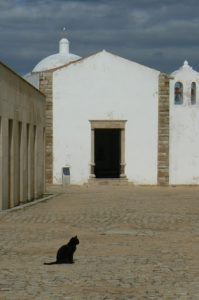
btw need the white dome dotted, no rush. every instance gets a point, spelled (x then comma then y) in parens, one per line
(58, 59)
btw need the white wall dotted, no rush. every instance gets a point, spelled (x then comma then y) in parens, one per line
(184, 130)
(104, 87)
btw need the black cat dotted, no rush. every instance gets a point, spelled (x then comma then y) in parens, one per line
(65, 252)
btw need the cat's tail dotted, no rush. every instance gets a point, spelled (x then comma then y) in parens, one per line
(51, 263)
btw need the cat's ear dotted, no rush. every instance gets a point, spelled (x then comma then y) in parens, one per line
(75, 237)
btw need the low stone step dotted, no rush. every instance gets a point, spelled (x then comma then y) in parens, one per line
(108, 181)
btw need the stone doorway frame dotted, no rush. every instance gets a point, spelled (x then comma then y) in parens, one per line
(108, 124)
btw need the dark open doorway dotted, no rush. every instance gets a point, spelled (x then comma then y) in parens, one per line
(107, 153)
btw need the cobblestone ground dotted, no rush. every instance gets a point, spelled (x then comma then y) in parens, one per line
(135, 243)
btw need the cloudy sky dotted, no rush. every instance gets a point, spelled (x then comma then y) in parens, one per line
(158, 33)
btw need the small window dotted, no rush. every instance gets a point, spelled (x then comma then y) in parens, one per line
(193, 93)
(178, 93)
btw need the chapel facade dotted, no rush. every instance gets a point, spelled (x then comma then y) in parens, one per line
(111, 118)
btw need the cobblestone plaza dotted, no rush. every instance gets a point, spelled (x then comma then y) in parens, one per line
(135, 243)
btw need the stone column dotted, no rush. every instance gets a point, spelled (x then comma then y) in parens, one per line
(46, 87)
(4, 187)
(16, 163)
(11, 163)
(39, 160)
(163, 130)
(92, 165)
(35, 162)
(30, 163)
(122, 155)
(23, 165)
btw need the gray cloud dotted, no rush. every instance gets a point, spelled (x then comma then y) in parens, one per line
(159, 34)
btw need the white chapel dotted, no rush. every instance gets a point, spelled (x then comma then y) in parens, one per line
(111, 118)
